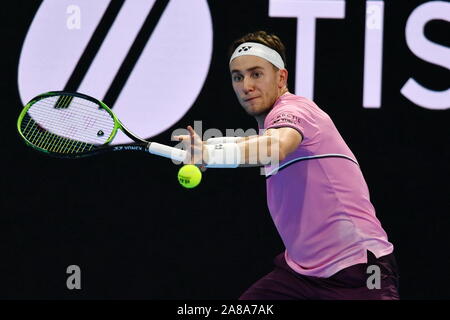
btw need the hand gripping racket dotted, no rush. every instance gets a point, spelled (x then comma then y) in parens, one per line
(72, 125)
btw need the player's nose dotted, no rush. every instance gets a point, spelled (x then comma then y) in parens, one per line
(247, 85)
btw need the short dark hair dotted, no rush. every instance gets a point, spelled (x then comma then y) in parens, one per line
(270, 40)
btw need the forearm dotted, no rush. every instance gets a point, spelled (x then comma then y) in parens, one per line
(231, 152)
(252, 151)
(259, 150)
(218, 140)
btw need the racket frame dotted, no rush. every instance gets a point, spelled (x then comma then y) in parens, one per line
(139, 145)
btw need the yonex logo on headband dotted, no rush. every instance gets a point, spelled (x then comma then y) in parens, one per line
(259, 50)
(246, 48)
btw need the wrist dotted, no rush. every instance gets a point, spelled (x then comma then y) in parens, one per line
(222, 155)
(217, 140)
(205, 154)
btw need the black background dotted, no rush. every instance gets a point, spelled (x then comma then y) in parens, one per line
(137, 234)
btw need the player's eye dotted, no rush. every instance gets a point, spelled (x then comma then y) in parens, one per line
(237, 78)
(257, 74)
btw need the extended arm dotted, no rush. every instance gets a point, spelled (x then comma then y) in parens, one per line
(252, 151)
(274, 145)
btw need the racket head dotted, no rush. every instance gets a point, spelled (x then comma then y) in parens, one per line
(67, 124)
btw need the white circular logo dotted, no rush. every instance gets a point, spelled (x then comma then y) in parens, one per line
(165, 67)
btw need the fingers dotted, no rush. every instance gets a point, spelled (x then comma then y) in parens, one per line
(192, 135)
(182, 137)
(193, 144)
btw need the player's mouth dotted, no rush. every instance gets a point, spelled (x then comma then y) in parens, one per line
(250, 99)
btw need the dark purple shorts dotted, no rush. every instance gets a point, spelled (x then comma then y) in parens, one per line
(350, 283)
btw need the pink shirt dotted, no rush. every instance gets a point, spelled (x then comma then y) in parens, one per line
(321, 207)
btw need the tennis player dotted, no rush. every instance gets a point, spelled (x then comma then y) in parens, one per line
(335, 246)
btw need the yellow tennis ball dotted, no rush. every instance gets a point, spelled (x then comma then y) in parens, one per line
(189, 176)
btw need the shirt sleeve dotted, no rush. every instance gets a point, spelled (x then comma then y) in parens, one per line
(296, 117)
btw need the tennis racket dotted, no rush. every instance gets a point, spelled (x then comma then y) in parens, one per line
(73, 125)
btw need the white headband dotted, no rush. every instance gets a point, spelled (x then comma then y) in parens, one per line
(259, 50)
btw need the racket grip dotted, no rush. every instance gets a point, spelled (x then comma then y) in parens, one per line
(166, 151)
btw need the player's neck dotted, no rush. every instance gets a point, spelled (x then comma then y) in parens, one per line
(283, 91)
(261, 117)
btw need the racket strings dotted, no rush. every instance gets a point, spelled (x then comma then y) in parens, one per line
(69, 123)
(63, 102)
(93, 111)
(44, 139)
(70, 118)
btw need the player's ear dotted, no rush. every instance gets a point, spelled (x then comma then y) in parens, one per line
(282, 78)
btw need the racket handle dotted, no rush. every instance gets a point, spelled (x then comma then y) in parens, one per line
(166, 151)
